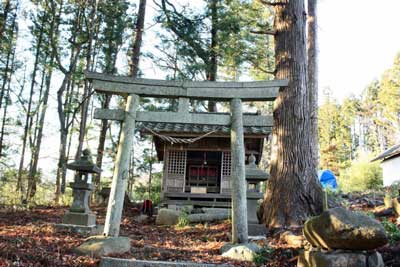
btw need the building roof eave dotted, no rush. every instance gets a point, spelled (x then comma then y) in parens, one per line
(391, 152)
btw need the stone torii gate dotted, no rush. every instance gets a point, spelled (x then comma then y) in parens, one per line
(234, 92)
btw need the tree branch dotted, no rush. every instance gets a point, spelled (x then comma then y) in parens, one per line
(79, 106)
(196, 46)
(267, 32)
(273, 3)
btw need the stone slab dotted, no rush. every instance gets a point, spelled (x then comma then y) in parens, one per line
(79, 229)
(115, 262)
(104, 245)
(77, 218)
(331, 259)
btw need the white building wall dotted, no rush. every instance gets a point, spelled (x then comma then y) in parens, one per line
(391, 171)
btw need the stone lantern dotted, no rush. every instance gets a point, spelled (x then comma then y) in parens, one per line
(79, 212)
(254, 176)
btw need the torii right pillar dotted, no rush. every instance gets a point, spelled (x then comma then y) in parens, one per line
(238, 175)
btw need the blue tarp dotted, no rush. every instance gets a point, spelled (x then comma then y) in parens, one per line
(327, 179)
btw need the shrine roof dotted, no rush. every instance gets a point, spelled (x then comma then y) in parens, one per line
(186, 128)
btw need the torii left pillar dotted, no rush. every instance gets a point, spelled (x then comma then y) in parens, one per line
(111, 242)
(238, 175)
(120, 176)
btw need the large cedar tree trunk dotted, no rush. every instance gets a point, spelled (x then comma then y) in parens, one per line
(212, 67)
(312, 59)
(293, 193)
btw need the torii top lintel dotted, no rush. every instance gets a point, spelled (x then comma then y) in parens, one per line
(218, 91)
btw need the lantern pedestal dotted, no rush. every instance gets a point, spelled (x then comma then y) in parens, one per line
(254, 177)
(76, 218)
(252, 206)
(79, 212)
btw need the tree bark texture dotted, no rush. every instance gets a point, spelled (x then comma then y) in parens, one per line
(28, 119)
(238, 176)
(312, 62)
(138, 38)
(212, 67)
(65, 92)
(4, 16)
(39, 135)
(100, 147)
(293, 193)
(9, 67)
(86, 88)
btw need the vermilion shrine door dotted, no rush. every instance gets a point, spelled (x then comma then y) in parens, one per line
(203, 172)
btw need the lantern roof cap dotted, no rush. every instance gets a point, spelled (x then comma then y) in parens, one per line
(253, 172)
(84, 164)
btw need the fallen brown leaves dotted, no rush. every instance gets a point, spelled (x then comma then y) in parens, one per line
(28, 239)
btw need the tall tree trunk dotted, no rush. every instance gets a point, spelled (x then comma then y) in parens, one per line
(11, 49)
(118, 186)
(5, 108)
(293, 193)
(134, 68)
(20, 183)
(5, 77)
(86, 89)
(5, 92)
(33, 137)
(109, 67)
(213, 63)
(62, 160)
(63, 97)
(4, 16)
(33, 169)
(101, 146)
(312, 86)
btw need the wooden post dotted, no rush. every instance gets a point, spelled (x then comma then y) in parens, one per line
(120, 176)
(238, 179)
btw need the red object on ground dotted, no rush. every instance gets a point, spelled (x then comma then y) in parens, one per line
(147, 207)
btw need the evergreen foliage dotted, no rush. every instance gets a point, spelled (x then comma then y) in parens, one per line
(41, 69)
(368, 124)
(362, 175)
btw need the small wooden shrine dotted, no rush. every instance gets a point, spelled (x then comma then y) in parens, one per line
(197, 161)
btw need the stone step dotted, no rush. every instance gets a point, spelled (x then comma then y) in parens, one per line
(116, 262)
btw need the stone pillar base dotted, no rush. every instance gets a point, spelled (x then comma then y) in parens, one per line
(252, 211)
(79, 229)
(339, 258)
(77, 218)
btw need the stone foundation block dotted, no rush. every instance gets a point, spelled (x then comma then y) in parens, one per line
(339, 258)
(114, 262)
(77, 218)
(79, 229)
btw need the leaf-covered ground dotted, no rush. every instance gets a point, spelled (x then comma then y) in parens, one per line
(27, 238)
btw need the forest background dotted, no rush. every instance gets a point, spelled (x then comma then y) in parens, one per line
(46, 106)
